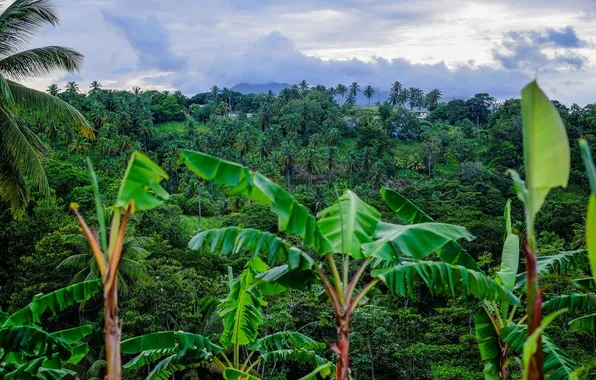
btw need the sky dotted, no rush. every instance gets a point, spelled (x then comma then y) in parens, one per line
(460, 47)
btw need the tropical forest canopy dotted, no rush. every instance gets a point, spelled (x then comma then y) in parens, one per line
(290, 235)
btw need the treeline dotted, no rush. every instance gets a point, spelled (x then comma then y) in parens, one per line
(316, 142)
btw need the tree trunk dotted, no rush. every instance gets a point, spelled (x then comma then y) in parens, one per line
(343, 349)
(503, 371)
(200, 213)
(112, 331)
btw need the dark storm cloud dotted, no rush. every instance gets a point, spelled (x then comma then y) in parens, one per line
(149, 39)
(527, 50)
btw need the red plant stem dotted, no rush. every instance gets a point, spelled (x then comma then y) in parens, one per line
(534, 300)
(331, 293)
(354, 281)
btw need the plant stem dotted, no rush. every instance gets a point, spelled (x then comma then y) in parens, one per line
(331, 293)
(361, 295)
(356, 278)
(252, 365)
(335, 273)
(247, 359)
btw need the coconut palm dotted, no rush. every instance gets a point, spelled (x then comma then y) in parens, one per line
(354, 90)
(131, 270)
(22, 152)
(369, 92)
(68, 134)
(287, 160)
(136, 90)
(79, 145)
(310, 162)
(303, 85)
(215, 93)
(243, 144)
(227, 93)
(53, 89)
(146, 131)
(341, 90)
(432, 98)
(396, 89)
(72, 88)
(94, 86)
(416, 97)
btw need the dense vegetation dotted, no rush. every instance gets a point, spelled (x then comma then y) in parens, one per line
(452, 165)
(281, 235)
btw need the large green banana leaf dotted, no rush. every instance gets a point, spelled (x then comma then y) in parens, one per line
(55, 301)
(31, 341)
(39, 368)
(285, 340)
(234, 374)
(560, 263)
(142, 175)
(302, 356)
(409, 213)
(442, 279)
(591, 217)
(241, 311)
(414, 240)
(488, 343)
(573, 302)
(348, 224)
(510, 254)
(585, 323)
(557, 364)
(294, 218)
(322, 371)
(546, 147)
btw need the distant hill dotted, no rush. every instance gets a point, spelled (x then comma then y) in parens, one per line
(247, 88)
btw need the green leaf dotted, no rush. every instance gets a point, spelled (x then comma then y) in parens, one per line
(322, 371)
(560, 263)
(302, 356)
(75, 334)
(168, 340)
(348, 224)
(280, 278)
(234, 374)
(409, 213)
(237, 180)
(285, 340)
(32, 341)
(415, 240)
(488, 343)
(235, 240)
(147, 357)
(546, 146)
(591, 233)
(101, 218)
(442, 279)
(588, 163)
(584, 323)
(55, 301)
(241, 312)
(142, 175)
(573, 302)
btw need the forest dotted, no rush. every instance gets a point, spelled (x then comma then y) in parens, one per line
(296, 235)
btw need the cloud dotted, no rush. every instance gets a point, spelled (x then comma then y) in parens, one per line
(149, 39)
(274, 58)
(541, 51)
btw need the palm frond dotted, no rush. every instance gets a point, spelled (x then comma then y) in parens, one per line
(573, 302)
(585, 323)
(21, 20)
(560, 263)
(40, 61)
(51, 106)
(77, 261)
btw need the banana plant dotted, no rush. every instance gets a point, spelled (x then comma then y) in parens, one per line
(27, 351)
(348, 230)
(547, 165)
(140, 190)
(241, 313)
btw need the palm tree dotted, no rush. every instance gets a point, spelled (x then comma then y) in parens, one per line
(215, 93)
(72, 88)
(79, 145)
(21, 150)
(402, 97)
(95, 85)
(416, 97)
(341, 90)
(227, 93)
(369, 92)
(396, 89)
(287, 160)
(303, 85)
(354, 90)
(68, 134)
(131, 270)
(53, 89)
(432, 98)
(242, 145)
(52, 130)
(146, 131)
(136, 90)
(310, 162)
(331, 161)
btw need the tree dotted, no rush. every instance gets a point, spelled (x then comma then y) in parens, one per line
(310, 162)
(479, 106)
(396, 89)
(140, 176)
(354, 90)
(432, 98)
(136, 90)
(350, 230)
(369, 92)
(241, 314)
(21, 150)
(72, 88)
(287, 160)
(223, 108)
(227, 93)
(416, 97)
(214, 93)
(341, 90)
(303, 86)
(94, 86)
(53, 89)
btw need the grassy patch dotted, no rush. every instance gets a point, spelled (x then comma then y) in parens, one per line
(188, 224)
(177, 127)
